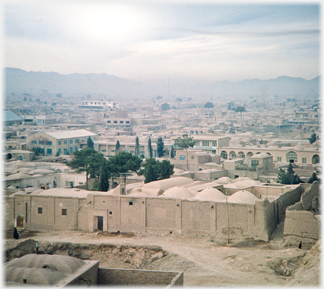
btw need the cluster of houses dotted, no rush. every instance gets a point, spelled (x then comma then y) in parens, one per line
(229, 176)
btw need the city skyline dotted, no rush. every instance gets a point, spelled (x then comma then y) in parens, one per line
(188, 42)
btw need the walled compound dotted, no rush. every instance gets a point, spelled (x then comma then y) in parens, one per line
(223, 209)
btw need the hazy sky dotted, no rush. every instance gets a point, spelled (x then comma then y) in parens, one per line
(149, 41)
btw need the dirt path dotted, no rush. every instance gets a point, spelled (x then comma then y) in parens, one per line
(203, 262)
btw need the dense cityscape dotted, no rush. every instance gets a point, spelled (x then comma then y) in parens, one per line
(109, 181)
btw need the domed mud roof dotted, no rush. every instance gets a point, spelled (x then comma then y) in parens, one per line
(210, 194)
(178, 193)
(243, 197)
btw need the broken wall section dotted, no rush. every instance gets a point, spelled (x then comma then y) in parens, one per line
(302, 224)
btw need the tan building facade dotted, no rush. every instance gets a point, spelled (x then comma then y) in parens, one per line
(59, 142)
(73, 209)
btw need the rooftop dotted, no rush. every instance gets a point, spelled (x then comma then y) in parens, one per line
(62, 134)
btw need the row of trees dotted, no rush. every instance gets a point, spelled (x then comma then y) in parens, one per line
(160, 148)
(121, 164)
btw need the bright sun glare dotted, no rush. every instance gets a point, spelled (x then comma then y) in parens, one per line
(110, 23)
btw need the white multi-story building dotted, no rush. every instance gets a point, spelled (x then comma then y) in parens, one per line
(99, 104)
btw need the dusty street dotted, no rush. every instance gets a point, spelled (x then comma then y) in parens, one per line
(202, 261)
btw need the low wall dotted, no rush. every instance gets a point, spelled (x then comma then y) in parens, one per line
(124, 277)
(302, 224)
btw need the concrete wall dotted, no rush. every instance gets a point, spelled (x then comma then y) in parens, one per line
(124, 277)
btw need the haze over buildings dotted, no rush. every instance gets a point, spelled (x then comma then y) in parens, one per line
(214, 108)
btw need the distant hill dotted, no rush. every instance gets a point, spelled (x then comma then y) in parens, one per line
(20, 81)
(281, 86)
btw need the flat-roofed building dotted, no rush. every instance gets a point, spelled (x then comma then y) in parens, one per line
(60, 141)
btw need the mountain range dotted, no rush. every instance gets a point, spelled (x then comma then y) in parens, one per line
(20, 81)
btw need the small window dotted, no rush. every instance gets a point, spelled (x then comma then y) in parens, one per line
(192, 157)
(214, 143)
(65, 142)
(182, 158)
(115, 121)
(279, 159)
(49, 143)
(110, 213)
(108, 121)
(131, 203)
(34, 141)
(59, 142)
(304, 160)
(40, 210)
(254, 163)
(71, 140)
(76, 141)
(41, 142)
(64, 212)
(127, 121)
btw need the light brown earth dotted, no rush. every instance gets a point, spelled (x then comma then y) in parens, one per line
(203, 262)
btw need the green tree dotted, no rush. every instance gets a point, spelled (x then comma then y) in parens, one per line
(184, 143)
(37, 151)
(87, 160)
(124, 162)
(240, 109)
(313, 138)
(208, 105)
(288, 177)
(104, 176)
(149, 148)
(282, 177)
(160, 147)
(150, 173)
(172, 152)
(90, 143)
(154, 170)
(117, 146)
(313, 178)
(165, 106)
(137, 147)
(166, 170)
(95, 185)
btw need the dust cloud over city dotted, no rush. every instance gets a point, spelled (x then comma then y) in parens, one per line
(161, 143)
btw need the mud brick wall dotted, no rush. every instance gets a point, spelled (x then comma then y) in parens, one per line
(126, 277)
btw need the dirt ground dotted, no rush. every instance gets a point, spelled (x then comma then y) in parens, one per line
(203, 262)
